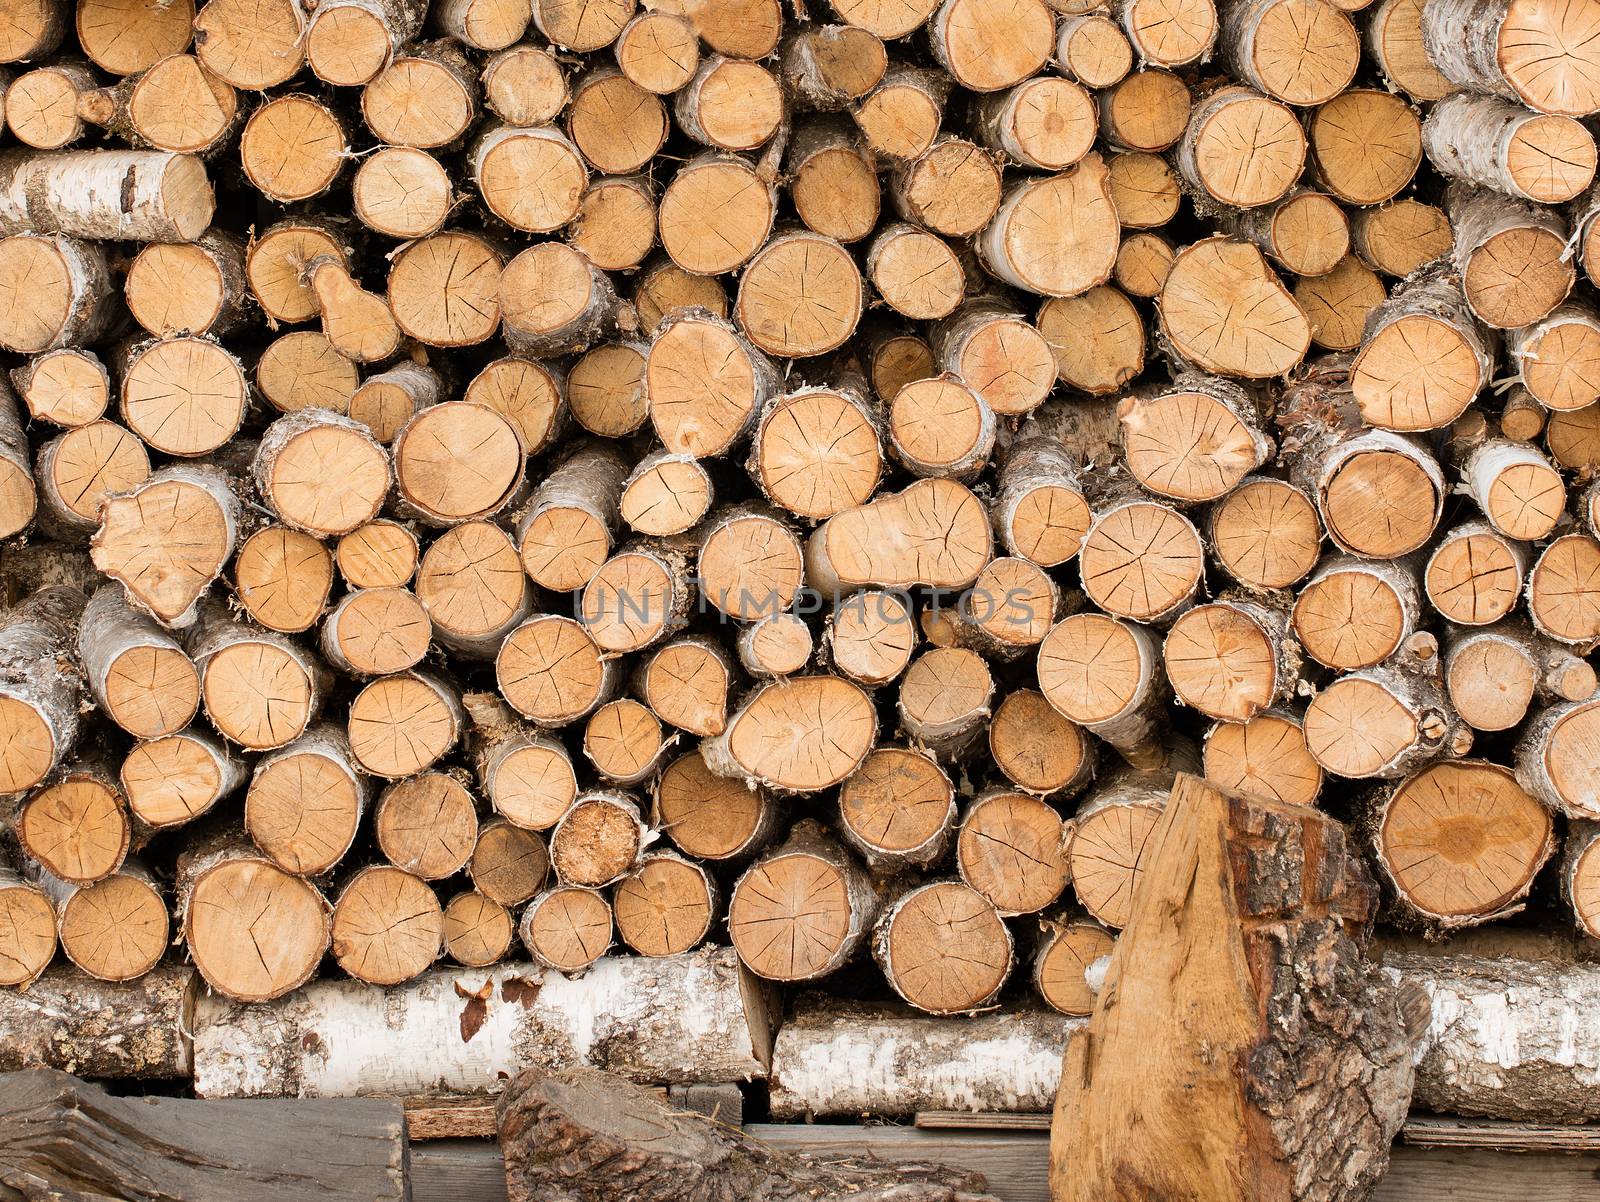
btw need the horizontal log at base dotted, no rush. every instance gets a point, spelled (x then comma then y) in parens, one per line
(67, 1020)
(672, 1019)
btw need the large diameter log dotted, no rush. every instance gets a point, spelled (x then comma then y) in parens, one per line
(111, 195)
(838, 1059)
(1516, 49)
(1201, 1032)
(1508, 1039)
(1264, 335)
(1385, 722)
(70, 1021)
(676, 1019)
(1504, 146)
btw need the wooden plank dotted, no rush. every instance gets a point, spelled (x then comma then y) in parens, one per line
(1015, 1163)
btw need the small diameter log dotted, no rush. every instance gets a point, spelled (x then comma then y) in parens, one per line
(306, 802)
(40, 691)
(27, 932)
(1038, 749)
(917, 274)
(42, 105)
(598, 840)
(403, 724)
(80, 468)
(1303, 52)
(1103, 845)
(554, 301)
(381, 554)
(1163, 459)
(432, 454)
(939, 427)
(686, 683)
(1092, 50)
(1475, 574)
(551, 672)
(716, 212)
(483, 24)
(1519, 491)
(580, 27)
(1009, 849)
(1041, 514)
(1008, 610)
(659, 51)
(623, 740)
(897, 810)
(665, 906)
(115, 929)
(616, 223)
(283, 578)
(1553, 763)
(187, 287)
(68, 387)
(1264, 335)
(935, 533)
(665, 290)
(1563, 597)
(1355, 613)
(776, 737)
(347, 42)
(509, 865)
(1147, 111)
(944, 700)
(1232, 659)
(1504, 48)
(1457, 844)
(943, 948)
(357, 323)
(428, 825)
(1511, 256)
(900, 118)
(1558, 359)
(322, 473)
(834, 186)
(803, 910)
(69, 1021)
(706, 384)
(640, 596)
(870, 636)
(230, 899)
(1580, 876)
(445, 290)
(387, 926)
(1030, 245)
(401, 192)
(1488, 141)
(1145, 189)
(114, 195)
(472, 585)
(605, 388)
(1384, 722)
(1071, 954)
(1366, 145)
(711, 817)
(1103, 675)
(1144, 261)
(527, 777)
(1265, 533)
(137, 672)
(477, 932)
(376, 631)
(678, 1019)
(1265, 757)
(259, 689)
(76, 828)
(1399, 237)
(1241, 148)
(385, 402)
(526, 392)
(750, 563)
(178, 777)
(1306, 232)
(524, 85)
(997, 353)
(776, 645)
(1394, 39)
(426, 98)
(567, 928)
(1046, 122)
(58, 292)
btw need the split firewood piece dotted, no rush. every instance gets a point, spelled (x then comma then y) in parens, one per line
(137, 672)
(935, 533)
(115, 929)
(1165, 457)
(67, 387)
(1140, 559)
(1558, 358)
(1232, 658)
(174, 779)
(40, 691)
(1265, 757)
(1457, 844)
(1269, 914)
(944, 700)
(1263, 335)
(939, 427)
(306, 801)
(897, 810)
(816, 451)
(870, 637)
(403, 724)
(1488, 141)
(1520, 492)
(259, 689)
(1366, 145)
(1552, 758)
(373, 632)
(567, 928)
(997, 353)
(706, 384)
(1474, 575)
(708, 816)
(117, 195)
(477, 932)
(943, 948)
(1037, 748)
(1104, 843)
(1055, 235)
(1104, 675)
(1241, 148)
(1509, 51)
(472, 585)
(624, 741)
(183, 396)
(78, 827)
(457, 461)
(27, 930)
(1303, 52)
(58, 292)
(254, 931)
(445, 290)
(774, 738)
(1092, 49)
(527, 777)
(1399, 237)
(42, 104)
(1147, 111)
(1511, 256)
(686, 683)
(1580, 875)
(1265, 533)
(387, 926)
(1009, 849)
(381, 554)
(1071, 953)
(508, 865)
(283, 578)
(1098, 338)
(1306, 232)
(665, 906)
(1386, 721)
(1355, 613)
(347, 42)
(1563, 593)
(834, 185)
(187, 287)
(79, 469)
(1040, 514)
(551, 672)
(1492, 674)
(803, 910)
(401, 192)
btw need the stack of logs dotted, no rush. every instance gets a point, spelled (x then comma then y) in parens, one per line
(507, 478)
